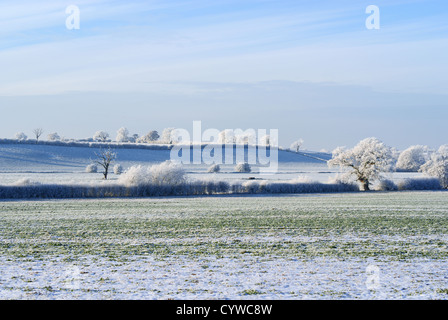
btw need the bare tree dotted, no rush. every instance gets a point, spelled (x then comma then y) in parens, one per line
(104, 159)
(38, 133)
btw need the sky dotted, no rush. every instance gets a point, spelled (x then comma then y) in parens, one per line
(311, 69)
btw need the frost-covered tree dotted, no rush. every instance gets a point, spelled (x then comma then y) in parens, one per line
(21, 136)
(122, 135)
(394, 154)
(413, 158)
(437, 166)
(167, 135)
(134, 138)
(104, 158)
(101, 136)
(265, 140)
(443, 150)
(226, 136)
(53, 137)
(243, 167)
(296, 145)
(245, 137)
(150, 137)
(366, 161)
(38, 133)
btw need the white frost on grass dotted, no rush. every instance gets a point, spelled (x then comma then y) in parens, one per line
(222, 278)
(189, 271)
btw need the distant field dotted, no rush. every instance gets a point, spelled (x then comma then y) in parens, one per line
(287, 247)
(66, 164)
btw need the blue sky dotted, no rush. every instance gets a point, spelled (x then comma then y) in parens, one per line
(308, 68)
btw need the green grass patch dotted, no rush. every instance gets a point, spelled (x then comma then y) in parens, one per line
(400, 225)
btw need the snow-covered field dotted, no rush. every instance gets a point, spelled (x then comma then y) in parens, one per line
(338, 246)
(212, 278)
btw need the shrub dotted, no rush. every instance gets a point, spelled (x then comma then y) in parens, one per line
(118, 169)
(315, 187)
(386, 185)
(162, 180)
(242, 167)
(291, 186)
(209, 186)
(420, 184)
(92, 168)
(167, 173)
(252, 186)
(214, 168)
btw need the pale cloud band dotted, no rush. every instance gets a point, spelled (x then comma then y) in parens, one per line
(177, 53)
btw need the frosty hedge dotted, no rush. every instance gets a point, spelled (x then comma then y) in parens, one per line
(165, 179)
(187, 188)
(169, 179)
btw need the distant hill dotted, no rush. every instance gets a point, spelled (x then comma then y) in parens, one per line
(66, 156)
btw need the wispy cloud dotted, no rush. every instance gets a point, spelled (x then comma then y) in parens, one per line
(308, 68)
(125, 46)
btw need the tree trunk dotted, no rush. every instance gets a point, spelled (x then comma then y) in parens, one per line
(365, 185)
(106, 171)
